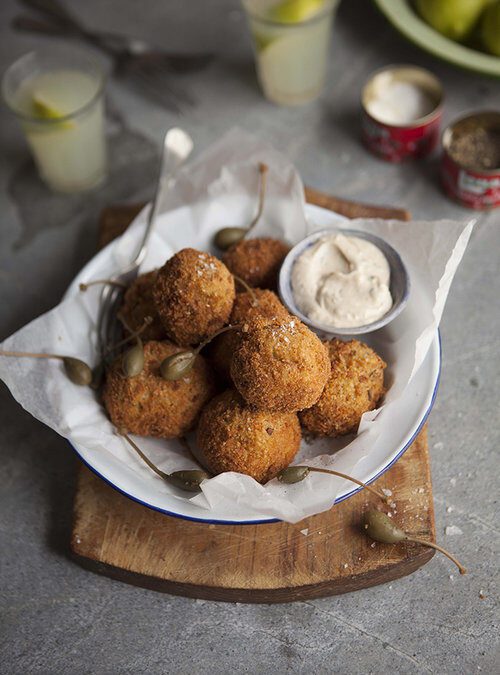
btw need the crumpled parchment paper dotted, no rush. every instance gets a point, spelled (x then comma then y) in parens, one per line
(216, 190)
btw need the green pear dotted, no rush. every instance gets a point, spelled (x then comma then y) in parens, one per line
(453, 18)
(490, 28)
(295, 11)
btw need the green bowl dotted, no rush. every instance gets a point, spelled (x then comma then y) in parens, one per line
(403, 17)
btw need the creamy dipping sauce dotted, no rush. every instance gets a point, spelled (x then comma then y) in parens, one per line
(342, 282)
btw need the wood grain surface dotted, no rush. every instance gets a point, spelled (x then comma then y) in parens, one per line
(115, 219)
(323, 555)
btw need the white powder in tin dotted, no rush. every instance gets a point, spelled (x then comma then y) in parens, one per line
(399, 103)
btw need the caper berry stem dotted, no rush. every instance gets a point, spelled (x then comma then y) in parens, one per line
(177, 365)
(379, 527)
(188, 479)
(77, 370)
(212, 337)
(229, 236)
(430, 544)
(108, 282)
(33, 355)
(147, 321)
(124, 322)
(135, 447)
(247, 288)
(263, 169)
(353, 480)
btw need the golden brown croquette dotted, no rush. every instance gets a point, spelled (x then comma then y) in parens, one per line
(233, 437)
(262, 304)
(280, 366)
(355, 385)
(194, 295)
(138, 303)
(148, 405)
(257, 261)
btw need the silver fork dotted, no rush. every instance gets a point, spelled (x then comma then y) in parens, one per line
(149, 68)
(177, 146)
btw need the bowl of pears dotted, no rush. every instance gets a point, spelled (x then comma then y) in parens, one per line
(463, 32)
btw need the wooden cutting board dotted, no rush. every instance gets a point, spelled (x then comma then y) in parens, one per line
(323, 555)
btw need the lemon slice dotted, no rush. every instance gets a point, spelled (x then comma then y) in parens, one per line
(262, 41)
(295, 11)
(46, 111)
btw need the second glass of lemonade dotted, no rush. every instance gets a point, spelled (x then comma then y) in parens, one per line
(58, 99)
(291, 40)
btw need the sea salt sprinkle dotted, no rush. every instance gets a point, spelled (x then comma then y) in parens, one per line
(452, 530)
(398, 103)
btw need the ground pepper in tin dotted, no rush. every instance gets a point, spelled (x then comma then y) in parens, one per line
(476, 148)
(470, 164)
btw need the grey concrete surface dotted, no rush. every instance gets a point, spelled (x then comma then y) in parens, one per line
(57, 618)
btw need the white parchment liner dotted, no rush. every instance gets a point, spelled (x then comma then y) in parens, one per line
(216, 190)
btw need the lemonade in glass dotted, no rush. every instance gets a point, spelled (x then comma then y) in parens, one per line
(291, 39)
(59, 102)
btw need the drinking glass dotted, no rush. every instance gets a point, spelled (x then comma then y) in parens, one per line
(290, 56)
(58, 99)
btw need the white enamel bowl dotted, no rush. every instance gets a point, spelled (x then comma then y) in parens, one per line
(408, 415)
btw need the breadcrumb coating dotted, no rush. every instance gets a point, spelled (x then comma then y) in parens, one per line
(356, 385)
(257, 261)
(248, 307)
(148, 405)
(138, 303)
(194, 294)
(233, 437)
(280, 366)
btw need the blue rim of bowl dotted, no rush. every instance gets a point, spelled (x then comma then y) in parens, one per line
(277, 520)
(285, 283)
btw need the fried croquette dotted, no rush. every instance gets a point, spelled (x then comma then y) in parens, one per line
(148, 405)
(280, 366)
(194, 294)
(233, 437)
(355, 385)
(248, 307)
(257, 261)
(138, 304)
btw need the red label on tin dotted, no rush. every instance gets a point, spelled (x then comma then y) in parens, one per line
(398, 143)
(471, 188)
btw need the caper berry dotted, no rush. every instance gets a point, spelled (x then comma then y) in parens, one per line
(380, 527)
(228, 236)
(189, 480)
(178, 365)
(293, 474)
(133, 360)
(78, 371)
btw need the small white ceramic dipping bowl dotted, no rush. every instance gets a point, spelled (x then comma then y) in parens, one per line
(399, 283)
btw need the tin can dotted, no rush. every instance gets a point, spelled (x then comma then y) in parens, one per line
(470, 164)
(393, 141)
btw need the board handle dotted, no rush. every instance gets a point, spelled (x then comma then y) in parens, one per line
(352, 209)
(115, 219)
